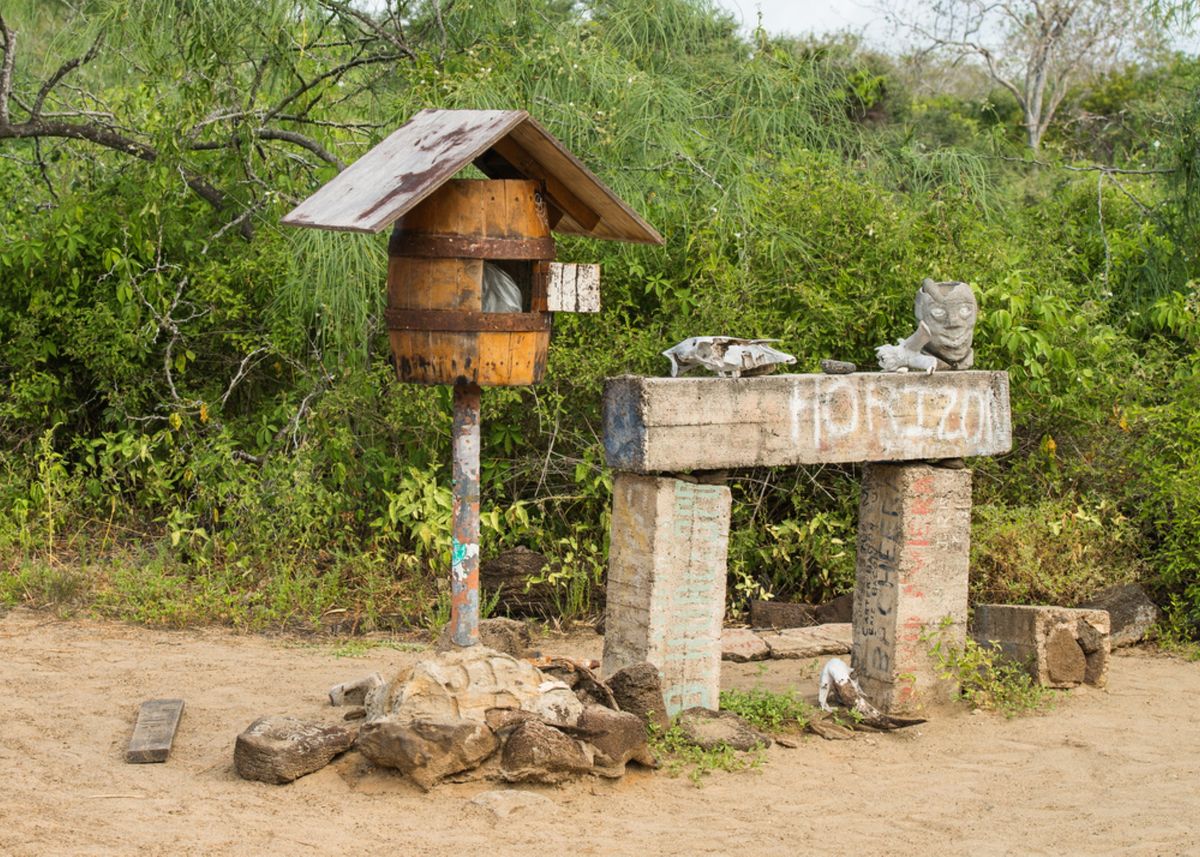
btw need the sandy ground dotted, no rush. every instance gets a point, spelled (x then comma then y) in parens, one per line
(1106, 772)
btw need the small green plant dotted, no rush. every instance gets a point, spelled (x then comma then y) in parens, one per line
(361, 648)
(39, 583)
(768, 710)
(680, 755)
(574, 574)
(1175, 633)
(986, 679)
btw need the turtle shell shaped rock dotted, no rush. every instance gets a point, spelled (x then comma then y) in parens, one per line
(467, 683)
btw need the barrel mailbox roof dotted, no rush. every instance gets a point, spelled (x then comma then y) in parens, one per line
(419, 157)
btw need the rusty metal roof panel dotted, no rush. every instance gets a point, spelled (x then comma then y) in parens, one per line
(416, 159)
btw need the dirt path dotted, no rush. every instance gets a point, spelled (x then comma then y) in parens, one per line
(1114, 772)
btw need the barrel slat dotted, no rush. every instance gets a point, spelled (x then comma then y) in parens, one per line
(482, 210)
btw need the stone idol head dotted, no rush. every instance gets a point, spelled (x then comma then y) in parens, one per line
(949, 311)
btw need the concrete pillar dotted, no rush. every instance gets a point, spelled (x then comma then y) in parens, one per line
(914, 532)
(666, 584)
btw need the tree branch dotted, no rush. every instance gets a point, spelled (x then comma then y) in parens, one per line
(345, 9)
(241, 373)
(110, 140)
(304, 142)
(6, 68)
(1092, 168)
(335, 72)
(295, 137)
(62, 71)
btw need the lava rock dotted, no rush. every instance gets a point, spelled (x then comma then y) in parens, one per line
(1131, 613)
(578, 676)
(465, 683)
(501, 635)
(836, 611)
(354, 692)
(838, 367)
(508, 576)
(280, 749)
(638, 690)
(537, 753)
(618, 737)
(781, 614)
(709, 730)
(427, 750)
(504, 720)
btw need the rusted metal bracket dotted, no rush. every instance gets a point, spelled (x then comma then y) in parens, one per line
(464, 321)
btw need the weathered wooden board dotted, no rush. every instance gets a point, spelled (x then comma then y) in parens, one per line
(154, 731)
(674, 424)
(403, 169)
(573, 288)
(587, 288)
(417, 158)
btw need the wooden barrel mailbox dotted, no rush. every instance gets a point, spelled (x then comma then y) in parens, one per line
(457, 243)
(439, 331)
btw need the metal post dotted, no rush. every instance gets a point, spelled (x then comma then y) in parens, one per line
(464, 568)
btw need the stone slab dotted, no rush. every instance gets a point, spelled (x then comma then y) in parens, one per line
(676, 424)
(812, 642)
(1060, 646)
(154, 732)
(910, 581)
(741, 645)
(279, 749)
(1131, 613)
(666, 584)
(501, 803)
(840, 609)
(781, 614)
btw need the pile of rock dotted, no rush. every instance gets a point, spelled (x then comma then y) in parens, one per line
(758, 644)
(473, 714)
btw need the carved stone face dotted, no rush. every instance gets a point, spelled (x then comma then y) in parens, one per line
(949, 311)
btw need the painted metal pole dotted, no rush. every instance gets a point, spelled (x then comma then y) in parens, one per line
(464, 561)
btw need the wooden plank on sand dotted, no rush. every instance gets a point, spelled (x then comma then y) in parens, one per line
(155, 731)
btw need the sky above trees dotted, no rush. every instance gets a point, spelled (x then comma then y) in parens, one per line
(864, 17)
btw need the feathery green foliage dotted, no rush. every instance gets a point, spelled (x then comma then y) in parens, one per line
(197, 425)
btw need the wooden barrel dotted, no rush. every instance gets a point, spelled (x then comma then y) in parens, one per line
(439, 332)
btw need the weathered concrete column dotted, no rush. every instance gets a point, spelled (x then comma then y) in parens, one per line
(914, 531)
(913, 539)
(666, 584)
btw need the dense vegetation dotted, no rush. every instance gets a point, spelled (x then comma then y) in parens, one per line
(198, 421)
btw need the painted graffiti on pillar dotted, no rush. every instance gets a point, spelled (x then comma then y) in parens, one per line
(689, 657)
(916, 535)
(911, 577)
(880, 536)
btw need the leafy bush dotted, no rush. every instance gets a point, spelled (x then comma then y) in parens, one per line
(207, 428)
